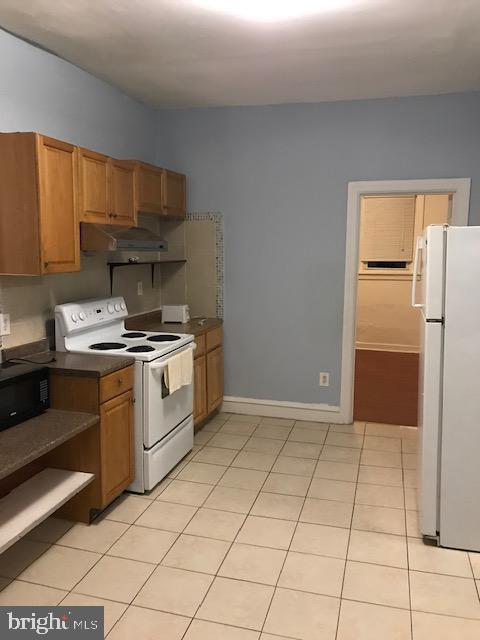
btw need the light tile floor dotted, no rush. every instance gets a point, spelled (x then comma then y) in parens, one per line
(269, 529)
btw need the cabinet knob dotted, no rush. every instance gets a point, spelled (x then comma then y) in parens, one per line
(45, 264)
(120, 381)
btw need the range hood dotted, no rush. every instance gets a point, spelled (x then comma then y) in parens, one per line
(98, 237)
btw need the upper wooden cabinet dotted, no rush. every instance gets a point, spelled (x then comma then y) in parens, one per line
(174, 194)
(93, 186)
(160, 191)
(122, 193)
(149, 188)
(106, 189)
(47, 187)
(39, 231)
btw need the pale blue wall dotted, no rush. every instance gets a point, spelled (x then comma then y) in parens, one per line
(40, 92)
(279, 174)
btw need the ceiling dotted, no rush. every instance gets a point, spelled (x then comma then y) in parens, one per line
(173, 53)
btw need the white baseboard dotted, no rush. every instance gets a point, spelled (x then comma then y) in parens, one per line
(276, 409)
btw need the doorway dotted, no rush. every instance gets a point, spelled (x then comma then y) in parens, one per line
(458, 188)
(387, 344)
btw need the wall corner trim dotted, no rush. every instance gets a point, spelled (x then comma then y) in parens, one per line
(279, 409)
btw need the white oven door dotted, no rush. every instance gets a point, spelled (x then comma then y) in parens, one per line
(163, 411)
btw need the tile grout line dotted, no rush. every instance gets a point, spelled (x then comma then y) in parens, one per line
(407, 549)
(215, 576)
(156, 564)
(349, 538)
(245, 516)
(129, 604)
(275, 587)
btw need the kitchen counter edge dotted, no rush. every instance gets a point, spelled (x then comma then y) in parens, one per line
(152, 321)
(78, 364)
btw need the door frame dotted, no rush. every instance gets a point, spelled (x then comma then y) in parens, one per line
(458, 187)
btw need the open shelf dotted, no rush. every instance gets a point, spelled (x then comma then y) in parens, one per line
(152, 263)
(34, 500)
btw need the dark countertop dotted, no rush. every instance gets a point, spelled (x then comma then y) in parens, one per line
(9, 370)
(29, 440)
(78, 364)
(153, 322)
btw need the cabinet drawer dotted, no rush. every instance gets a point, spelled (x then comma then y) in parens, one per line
(200, 342)
(214, 338)
(116, 383)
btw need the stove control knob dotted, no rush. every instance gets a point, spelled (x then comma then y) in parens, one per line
(110, 308)
(123, 306)
(82, 316)
(74, 317)
(117, 307)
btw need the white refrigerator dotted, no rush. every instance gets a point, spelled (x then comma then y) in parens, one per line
(446, 289)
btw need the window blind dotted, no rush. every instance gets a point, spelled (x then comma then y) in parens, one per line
(387, 228)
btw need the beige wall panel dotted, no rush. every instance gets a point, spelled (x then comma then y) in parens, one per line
(30, 300)
(201, 267)
(385, 319)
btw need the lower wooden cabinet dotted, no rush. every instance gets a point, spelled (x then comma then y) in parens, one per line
(214, 379)
(208, 374)
(116, 444)
(200, 389)
(106, 449)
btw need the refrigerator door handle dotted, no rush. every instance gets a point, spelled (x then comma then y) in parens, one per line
(418, 249)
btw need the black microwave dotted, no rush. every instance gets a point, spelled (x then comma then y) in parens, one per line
(24, 392)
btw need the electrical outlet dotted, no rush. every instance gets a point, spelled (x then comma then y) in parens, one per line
(4, 324)
(324, 379)
(140, 288)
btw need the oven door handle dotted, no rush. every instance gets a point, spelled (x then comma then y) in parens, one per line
(162, 365)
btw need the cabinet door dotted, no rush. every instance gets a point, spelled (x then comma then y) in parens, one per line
(122, 193)
(116, 445)
(214, 379)
(174, 194)
(93, 186)
(149, 188)
(199, 389)
(60, 243)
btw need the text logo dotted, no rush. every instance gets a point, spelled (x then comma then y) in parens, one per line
(22, 623)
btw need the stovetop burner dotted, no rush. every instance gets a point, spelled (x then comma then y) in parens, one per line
(164, 337)
(141, 348)
(134, 334)
(107, 346)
